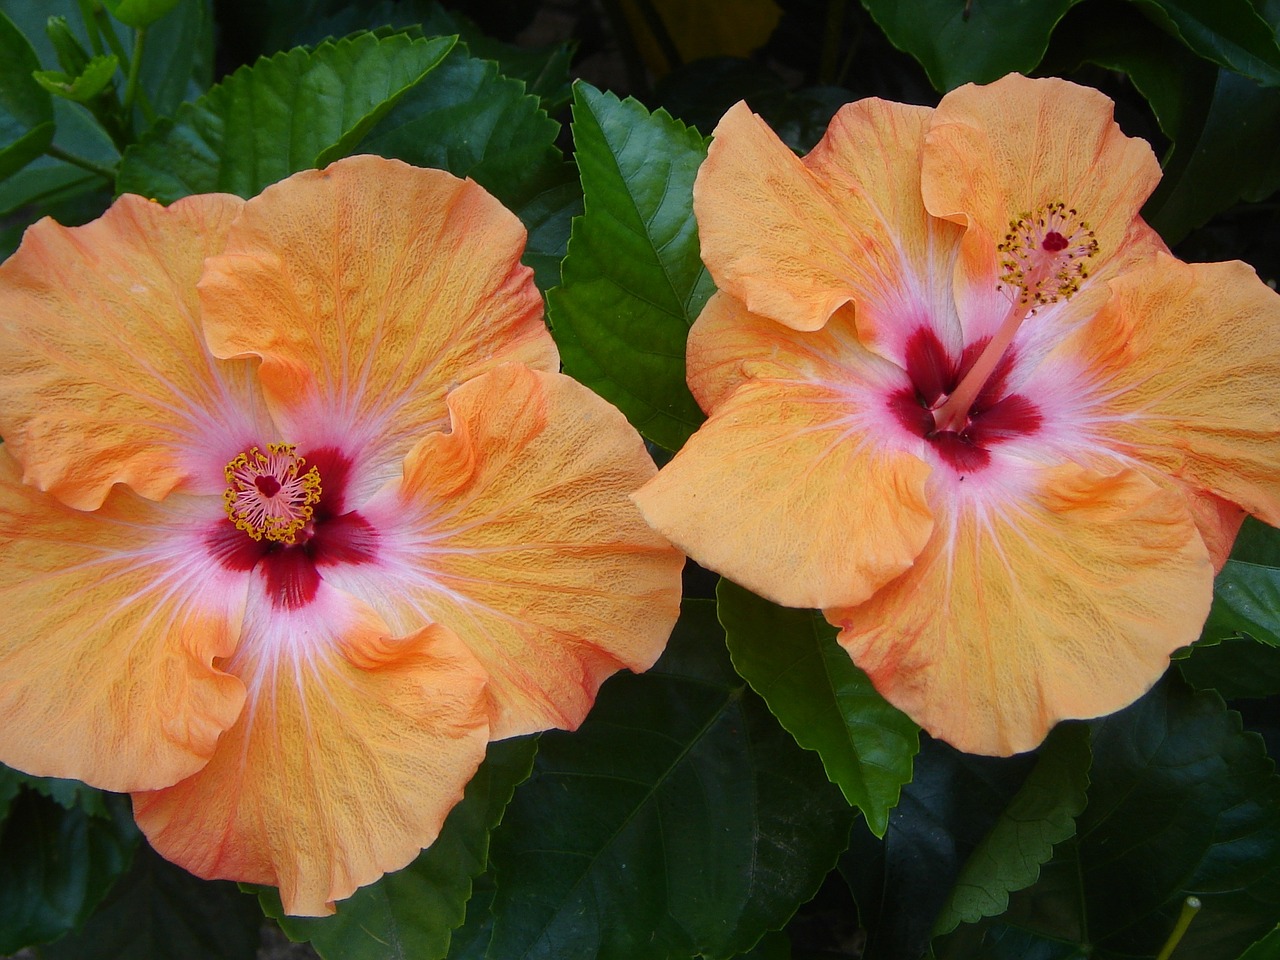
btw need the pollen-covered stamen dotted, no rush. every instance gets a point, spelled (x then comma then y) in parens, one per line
(1045, 257)
(271, 495)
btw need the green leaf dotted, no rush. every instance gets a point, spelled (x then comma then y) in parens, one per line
(1237, 667)
(633, 283)
(1183, 802)
(1246, 600)
(1229, 32)
(139, 13)
(772, 946)
(792, 660)
(56, 865)
(177, 62)
(465, 118)
(410, 914)
(1268, 948)
(97, 73)
(278, 117)
(69, 794)
(679, 819)
(1041, 815)
(160, 912)
(974, 42)
(26, 111)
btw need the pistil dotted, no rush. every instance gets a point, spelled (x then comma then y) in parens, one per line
(271, 495)
(1045, 257)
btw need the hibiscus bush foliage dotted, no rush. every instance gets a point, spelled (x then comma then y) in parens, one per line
(752, 795)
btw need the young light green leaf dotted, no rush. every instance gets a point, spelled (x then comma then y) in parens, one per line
(277, 117)
(26, 111)
(679, 820)
(411, 914)
(139, 13)
(1041, 815)
(970, 42)
(792, 660)
(88, 84)
(633, 283)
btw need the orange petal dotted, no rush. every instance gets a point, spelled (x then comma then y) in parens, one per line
(107, 659)
(1064, 604)
(783, 491)
(351, 752)
(522, 540)
(796, 240)
(104, 374)
(370, 289)
(999, 152)
(1184, 360)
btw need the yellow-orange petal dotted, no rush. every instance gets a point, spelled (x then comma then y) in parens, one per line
(783, 491)
(1065, 604)
(350, 753)
(111, 636)
(104, 374)
(518, 534)
(1184, 360)
(796, 240)
(370, 289)
(999, 152)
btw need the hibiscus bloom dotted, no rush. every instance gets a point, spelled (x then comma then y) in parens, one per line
(962, 399)
(296, 515)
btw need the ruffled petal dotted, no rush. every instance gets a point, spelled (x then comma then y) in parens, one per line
(796, 240)
(104, 374)
(1063, 604)
(116, 622)
(369, 289)
(515, 530)
(1182, 366)
(999, 152)
(785, 491)
(350, 753)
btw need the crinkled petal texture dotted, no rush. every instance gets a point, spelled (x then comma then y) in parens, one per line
(109, 653)
(516, 530)
(795, 240)
(104, 373)
(370, 289)
(350, 752)
(1215, 424)
(1063, 602)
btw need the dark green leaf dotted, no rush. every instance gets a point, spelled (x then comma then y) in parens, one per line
(160, 912)
(997, 941)
(69, 794)
(139, 13)
(88, 84)
(633, 283)
(1237, 667)
(1228, 32)
(970, 43)
(471, 940)
(1246, 600)
(410, 914)
(902, 884)
(56, 865)
(1042, 814)
(678, 820)
(466, 118)
(26, 111)
(772, 946)
(177, 61)
(278, 117)
(1268, 948)
(791, 659)
(1182, 802)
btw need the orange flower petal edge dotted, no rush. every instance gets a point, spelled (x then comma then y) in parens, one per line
(1074, 396)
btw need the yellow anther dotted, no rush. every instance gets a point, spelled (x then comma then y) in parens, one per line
(269, 495)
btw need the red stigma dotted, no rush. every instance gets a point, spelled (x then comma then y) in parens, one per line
(267, 486)
(1054, 241)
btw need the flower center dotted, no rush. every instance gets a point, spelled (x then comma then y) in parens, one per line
(271, 495)
(1044, 258)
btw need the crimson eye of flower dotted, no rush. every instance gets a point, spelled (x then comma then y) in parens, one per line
(269, 495)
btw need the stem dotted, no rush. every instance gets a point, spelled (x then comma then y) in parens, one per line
(131, 84)
(105, 172)
(108, 32)
(91, 25)
(1190, 907)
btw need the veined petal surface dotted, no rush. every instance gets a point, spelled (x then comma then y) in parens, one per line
(369, 289)
(104, 373)
(349, 754)
(515, 530)
(1064, 602)
(110, 657)
(785, 491)
(1183, 362)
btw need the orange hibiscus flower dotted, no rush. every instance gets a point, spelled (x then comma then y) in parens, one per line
(962, 399)
(296, 515)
